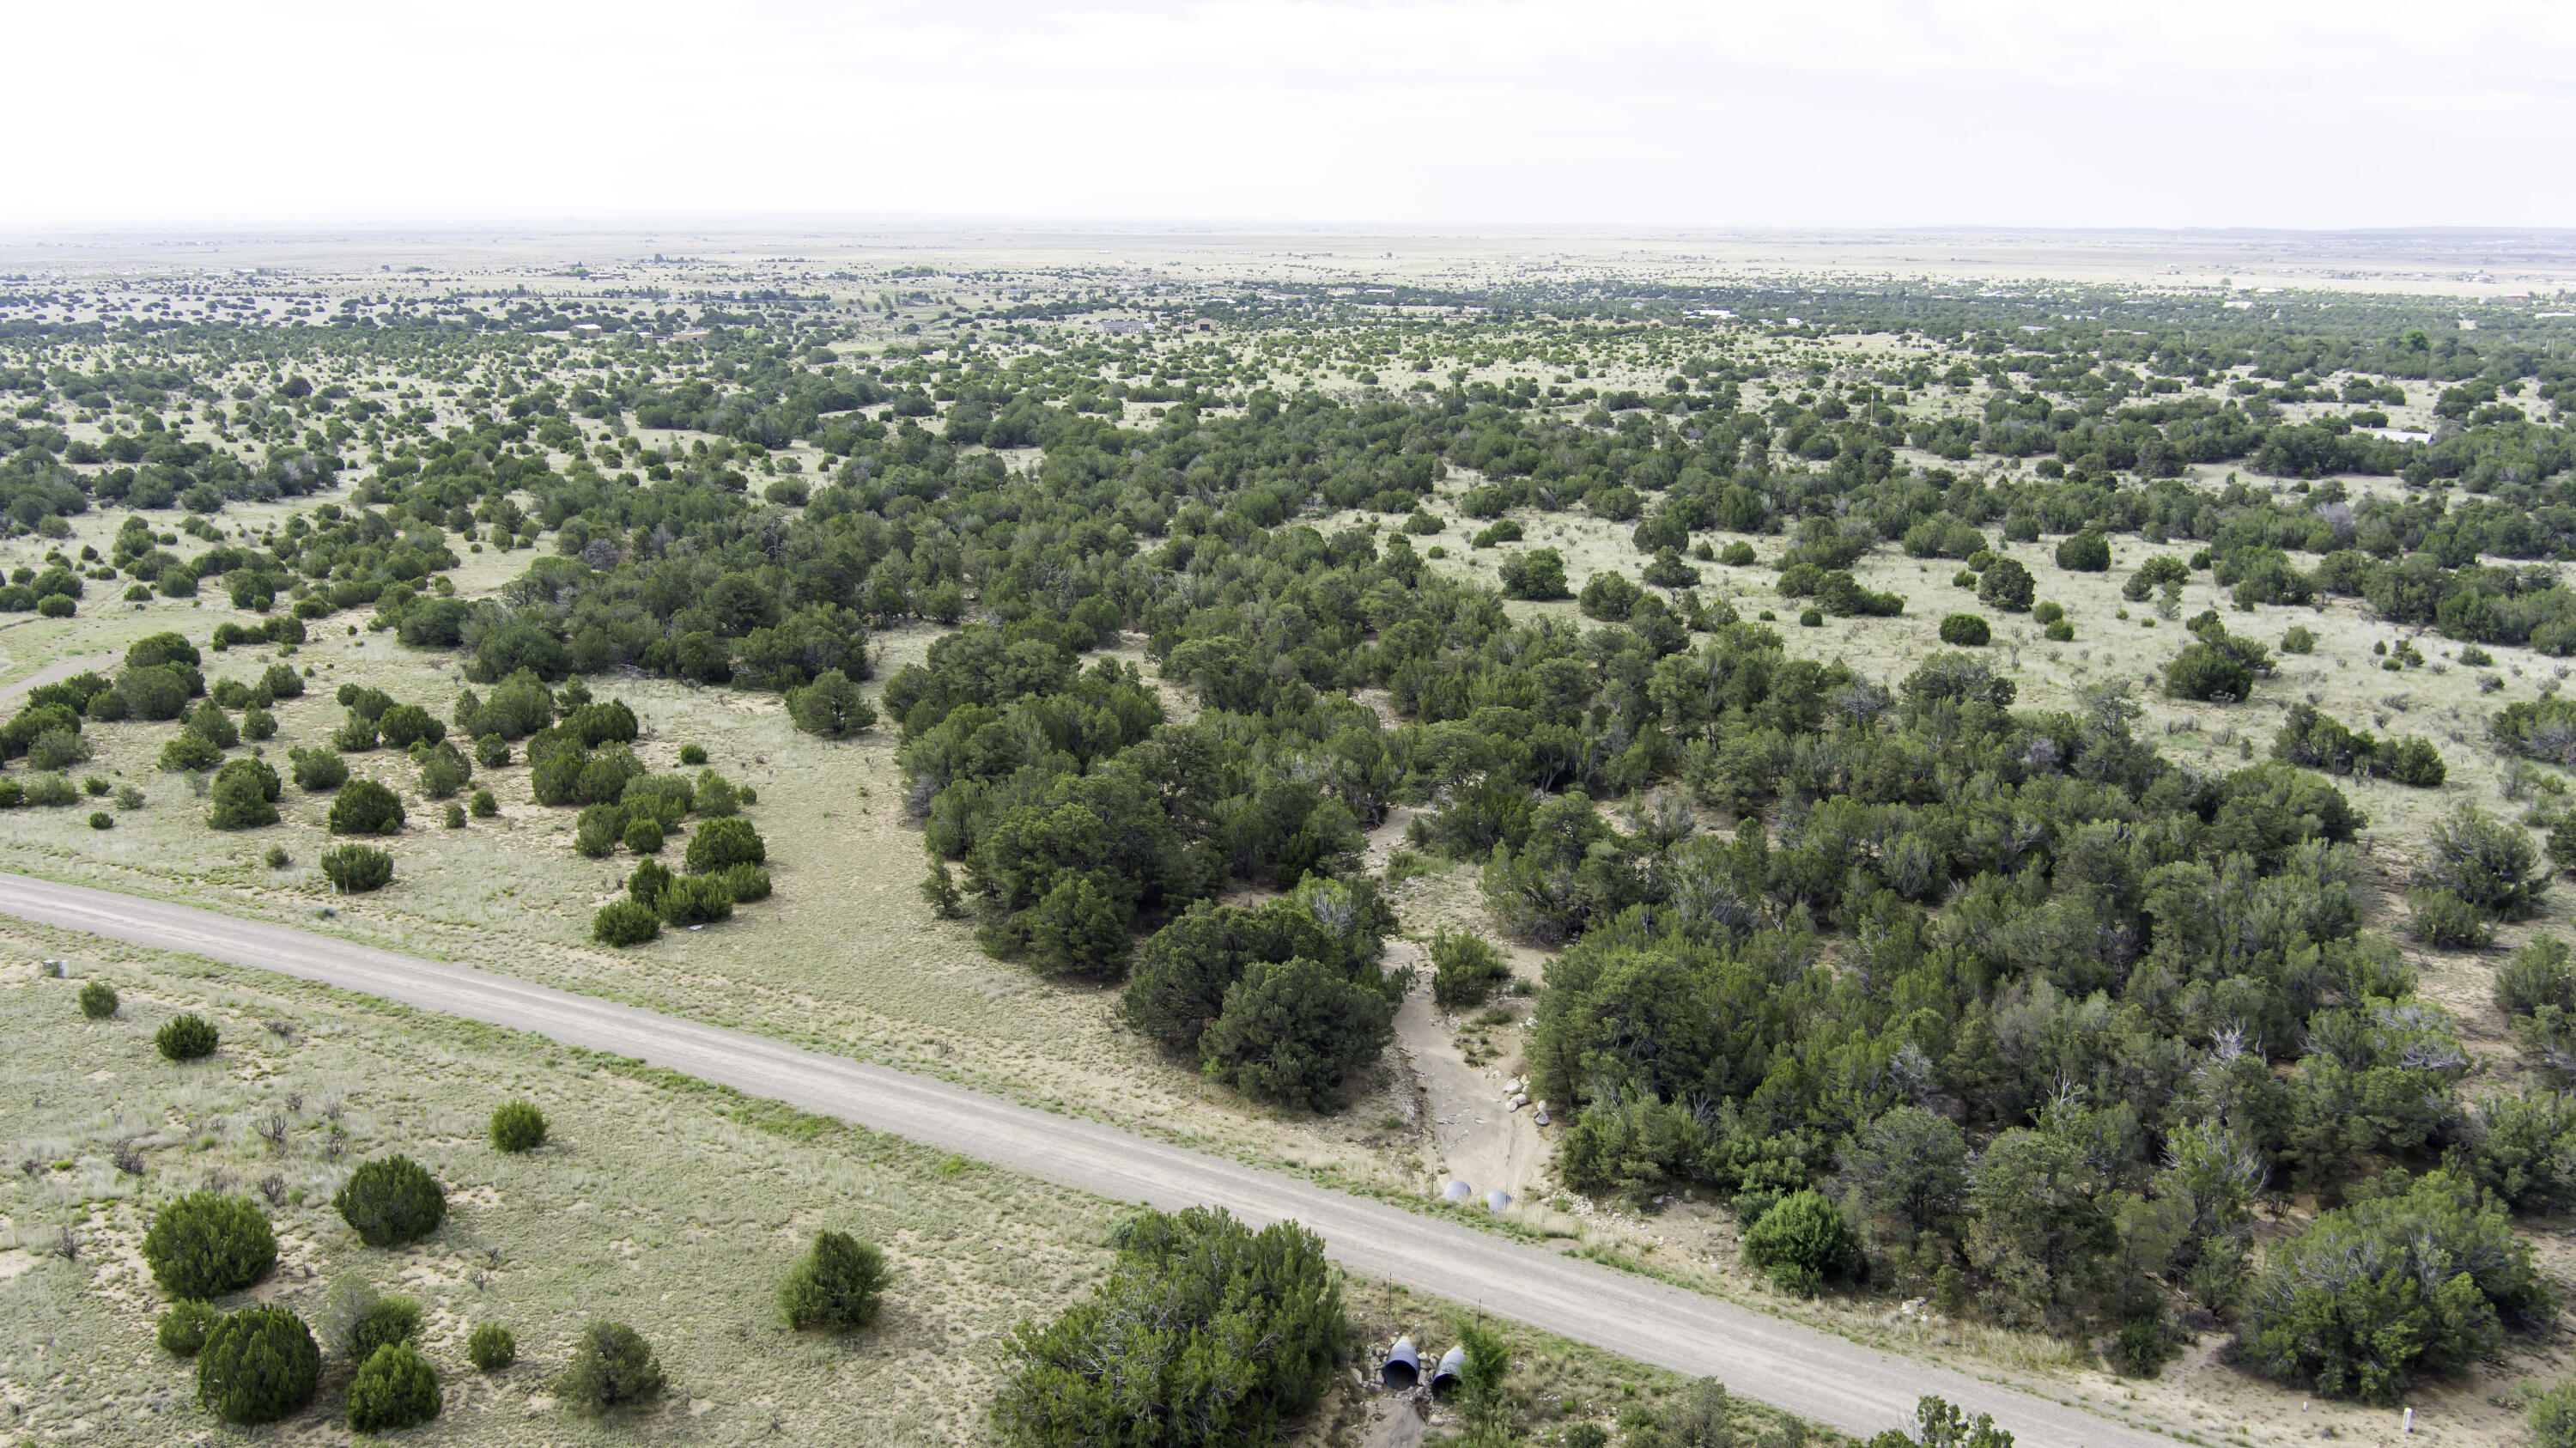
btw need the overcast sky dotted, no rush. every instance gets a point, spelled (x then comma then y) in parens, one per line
(1607, 112)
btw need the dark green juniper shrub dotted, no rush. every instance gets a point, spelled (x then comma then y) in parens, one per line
(518, 1126)
(258, 1365)
(390, 1201)
(97, 1000)
(183, 1329)
(612, 1367)
(491, 1347)
(837, 1286)
(186, 1037)
(395, 1388)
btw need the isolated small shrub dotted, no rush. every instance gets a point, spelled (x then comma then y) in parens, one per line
(389, 1321)
(55, 605)
(258, 1366)
(318, 771)
(100, 819)
(56, 749)
(357, 869)
(2140, 1350)
(491, 1347)
(365, 807)
(2413, 762)
(518, 1126)
(1738, 554)
(455, 815)
(209, 721)
(207, 1244)
(716, 796)
(721, 842)
(345, 1309)
(2486, 861)
(257, 724)
(2539, 974)
(1966, 630)
(2204, 672)
(405, 725)
(612, 1367)
(282, 682)
(245, 795)
(53, 791)
(277, 858)
(395, 1388)
(186, 1037)
(830, 707)
(183, 1329)
(693, 754)
(190, 753)
(1464, 968)
(2004, 584)
(646, 884)
(2085, 552)
(2059, 632)
(390, 1201)
(2047, 613)
(745, 883)
(1803, 1242)
(644, 835)
(2300, 640)
(2441, 918)
(97, 1000)
(695, 900)
(838, 1286)
(484, 805)
(664, 798)
(443, 771)
(597, 832)
(625, 922)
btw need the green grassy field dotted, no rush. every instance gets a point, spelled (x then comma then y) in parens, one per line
(656, 1201)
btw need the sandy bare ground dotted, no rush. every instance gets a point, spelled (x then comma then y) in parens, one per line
(1473, 1133)
(1827, 1379)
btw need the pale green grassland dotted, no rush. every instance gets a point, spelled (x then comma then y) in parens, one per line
(656, 1201)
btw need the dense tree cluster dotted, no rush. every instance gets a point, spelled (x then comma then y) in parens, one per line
(1207, 1332)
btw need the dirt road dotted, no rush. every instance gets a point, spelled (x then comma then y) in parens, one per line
(1818, 1376)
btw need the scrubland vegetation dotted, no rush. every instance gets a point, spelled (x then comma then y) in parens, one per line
(2039, 807)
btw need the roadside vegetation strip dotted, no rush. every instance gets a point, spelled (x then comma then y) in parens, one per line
(1806, 1372)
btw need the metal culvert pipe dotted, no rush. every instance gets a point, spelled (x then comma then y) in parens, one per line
(1403, 1365)
(1445, 1377)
